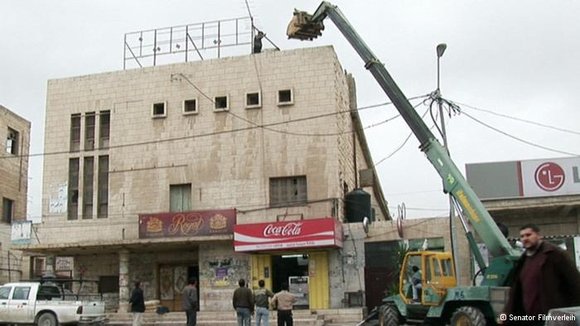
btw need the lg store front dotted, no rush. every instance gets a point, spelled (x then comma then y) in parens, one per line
(295, 252)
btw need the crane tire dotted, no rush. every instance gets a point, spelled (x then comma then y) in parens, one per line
(47, 319)
(389, 316)
(468, 316)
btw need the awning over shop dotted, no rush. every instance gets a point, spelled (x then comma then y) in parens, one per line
(310, 233)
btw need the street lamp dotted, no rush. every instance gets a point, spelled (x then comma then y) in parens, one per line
(440, 51)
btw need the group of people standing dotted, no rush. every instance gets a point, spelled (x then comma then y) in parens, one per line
(262, 300)
(245, 302)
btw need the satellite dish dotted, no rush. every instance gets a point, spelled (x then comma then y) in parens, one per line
(366, 223)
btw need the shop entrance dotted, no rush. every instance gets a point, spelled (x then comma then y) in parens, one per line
(172, 281)
(305, 272)
(293, 270)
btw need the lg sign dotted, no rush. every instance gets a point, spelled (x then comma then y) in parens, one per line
(550, 176)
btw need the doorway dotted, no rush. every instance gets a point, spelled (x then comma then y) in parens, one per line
(172, 281)
(292, 269)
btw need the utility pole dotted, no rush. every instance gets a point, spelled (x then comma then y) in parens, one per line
(452, 229)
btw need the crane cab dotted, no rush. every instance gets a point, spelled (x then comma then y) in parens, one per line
(425, 277)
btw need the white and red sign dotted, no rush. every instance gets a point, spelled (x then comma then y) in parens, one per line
(553, 177)
(312, 233)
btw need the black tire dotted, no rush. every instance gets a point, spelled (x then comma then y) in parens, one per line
(389, 316)
(47, 319)
(468, 316)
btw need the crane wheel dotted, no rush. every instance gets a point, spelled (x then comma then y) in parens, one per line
(468, 316)
(389, 316)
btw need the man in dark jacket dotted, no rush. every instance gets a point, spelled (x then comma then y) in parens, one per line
(243, 302)
(137, 302)
(190, 303)
(544, 278)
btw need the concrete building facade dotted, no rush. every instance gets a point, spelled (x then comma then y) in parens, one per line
(15, 136)
(155, 167)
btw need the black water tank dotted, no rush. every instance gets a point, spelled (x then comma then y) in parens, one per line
(358, 205)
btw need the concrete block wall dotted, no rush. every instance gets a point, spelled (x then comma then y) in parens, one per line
(226, 169)
(13, 186)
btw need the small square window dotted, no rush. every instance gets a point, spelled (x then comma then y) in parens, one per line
(159, 110)
(220, 103)
(285, 97)
(190, 106)
(253, 100)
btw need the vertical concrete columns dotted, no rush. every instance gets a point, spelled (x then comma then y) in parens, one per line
(123, 280)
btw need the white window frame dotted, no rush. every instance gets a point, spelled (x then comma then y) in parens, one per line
(157, 116)
(291, 102)
(196, 111)
(253, 106)
(221, 109)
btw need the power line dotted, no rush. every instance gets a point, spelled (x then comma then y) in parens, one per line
(519, 139)
(522, 120)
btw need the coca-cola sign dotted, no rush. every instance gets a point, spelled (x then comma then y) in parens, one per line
(272, 230)
(310, 233)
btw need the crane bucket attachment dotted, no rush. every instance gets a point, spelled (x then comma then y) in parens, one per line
(303, 28)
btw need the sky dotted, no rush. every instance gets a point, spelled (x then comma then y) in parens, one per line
(511, 66)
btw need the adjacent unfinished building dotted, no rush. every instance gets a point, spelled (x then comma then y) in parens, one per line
(15, 135)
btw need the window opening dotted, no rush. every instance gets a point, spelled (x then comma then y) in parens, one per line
(103, 184)
(288, 191)
(90, 131)
(12, 142)
(253, 100)
(104, 128)
(159, 110)
(180, 197)
(7, 210)
(221, 103)
(285, 97)
(190, 106)
(88, 168)
(75, 132)
(73, 189)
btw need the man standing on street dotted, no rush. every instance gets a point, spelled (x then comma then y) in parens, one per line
(261, 296)
(243, 302)
(544, 278)
(284, 302)
(190, 303)
(137, 302)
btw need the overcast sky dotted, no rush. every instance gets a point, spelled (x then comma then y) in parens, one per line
(515, 58)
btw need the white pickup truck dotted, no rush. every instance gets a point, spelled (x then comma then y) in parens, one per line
(46, 304)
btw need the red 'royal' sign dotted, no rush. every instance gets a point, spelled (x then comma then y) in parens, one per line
(313, 233)
(186, 224)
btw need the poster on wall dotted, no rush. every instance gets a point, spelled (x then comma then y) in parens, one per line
(166, 283)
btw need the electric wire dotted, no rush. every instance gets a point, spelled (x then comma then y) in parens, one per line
(520, 119)
(518, 138)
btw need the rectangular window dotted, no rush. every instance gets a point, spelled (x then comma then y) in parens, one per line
(90, 131)
(104, 128)
(12, 142)
(158, 110)
(88, 172)
(73, 189)
(109, 284)
(180, 197)
(103, 192)
(21, 293)
(285, 97)
(253, 100)
(75, 132)
(7, 210)
(220, 103)
(190, 106)
(288, 191)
